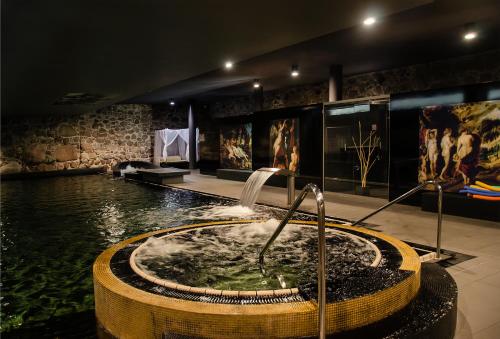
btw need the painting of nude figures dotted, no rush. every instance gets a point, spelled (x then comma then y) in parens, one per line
(284, 144)
(236, 146)
(460, 143)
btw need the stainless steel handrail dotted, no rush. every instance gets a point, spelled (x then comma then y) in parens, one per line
(407, 194)
(320, 203)
(290, 181)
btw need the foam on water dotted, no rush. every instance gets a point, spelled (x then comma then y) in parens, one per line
(224, 212)
(154, 248)
(128, 169)
(210, 212)
(226, 257)
(250, 232)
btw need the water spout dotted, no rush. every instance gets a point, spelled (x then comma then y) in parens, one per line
(254, 184)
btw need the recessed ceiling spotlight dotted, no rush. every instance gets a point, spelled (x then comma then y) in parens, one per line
(470, 32)
(256, 84)
(295, 71)
(470, 35)
(171, 102)
(228, 65)
(369, 21)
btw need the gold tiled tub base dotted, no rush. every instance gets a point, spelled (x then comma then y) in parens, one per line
(127, 312)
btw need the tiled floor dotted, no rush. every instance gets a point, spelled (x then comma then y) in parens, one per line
(478, 279)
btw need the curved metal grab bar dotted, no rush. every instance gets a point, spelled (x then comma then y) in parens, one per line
(407, 194)
(320, 203)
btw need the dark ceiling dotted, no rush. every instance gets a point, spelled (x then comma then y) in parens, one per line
(422, 34)
(103, 52)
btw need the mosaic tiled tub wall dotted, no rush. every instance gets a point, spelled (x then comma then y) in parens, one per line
(129, 306)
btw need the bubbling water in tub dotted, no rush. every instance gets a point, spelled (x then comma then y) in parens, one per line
(226, 257)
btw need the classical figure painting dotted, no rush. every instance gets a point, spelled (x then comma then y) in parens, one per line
(460, 143)
(284, 144)
(236, 146)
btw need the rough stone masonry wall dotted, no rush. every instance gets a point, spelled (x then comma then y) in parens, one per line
(116, 133)
(469, 69)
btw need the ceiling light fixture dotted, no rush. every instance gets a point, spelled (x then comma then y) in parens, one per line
(470, 32)
(256, 84)
(470, 35)
(228, 65)
(171, 102)
(295, 71)
(369, 21)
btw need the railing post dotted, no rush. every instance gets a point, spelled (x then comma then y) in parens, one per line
(407, 194)
(440, 220)
(290, 184)
(320, 203)
(321, 265)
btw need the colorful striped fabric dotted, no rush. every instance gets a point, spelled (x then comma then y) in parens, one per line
(488, 187)
(482, 191)
(483, 197)
(478, 192)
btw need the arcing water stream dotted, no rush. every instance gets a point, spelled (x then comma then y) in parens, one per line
(253, 186)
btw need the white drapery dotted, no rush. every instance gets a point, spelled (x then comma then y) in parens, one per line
(170, 142)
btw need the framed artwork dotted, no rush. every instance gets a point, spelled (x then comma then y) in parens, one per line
(460, 143)
(284, 144)
(236, 146)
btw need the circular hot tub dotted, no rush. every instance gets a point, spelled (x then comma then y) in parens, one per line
(203, 280)
(222, 259)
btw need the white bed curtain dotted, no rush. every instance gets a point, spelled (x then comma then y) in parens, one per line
(170, 142)
(160, 141)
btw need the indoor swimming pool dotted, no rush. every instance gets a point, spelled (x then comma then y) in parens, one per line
(54, 228)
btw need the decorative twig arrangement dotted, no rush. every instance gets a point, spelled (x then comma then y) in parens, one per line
(365, 149)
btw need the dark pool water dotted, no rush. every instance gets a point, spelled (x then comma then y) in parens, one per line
(53, 229)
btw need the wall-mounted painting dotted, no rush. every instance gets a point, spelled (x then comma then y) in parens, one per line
(236, 146)
(460, 143)
(284, 144)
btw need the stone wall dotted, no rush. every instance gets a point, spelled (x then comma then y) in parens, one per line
(166, 116)
(470, 69)
(103, 138)
(466, 70)
(285, 97)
